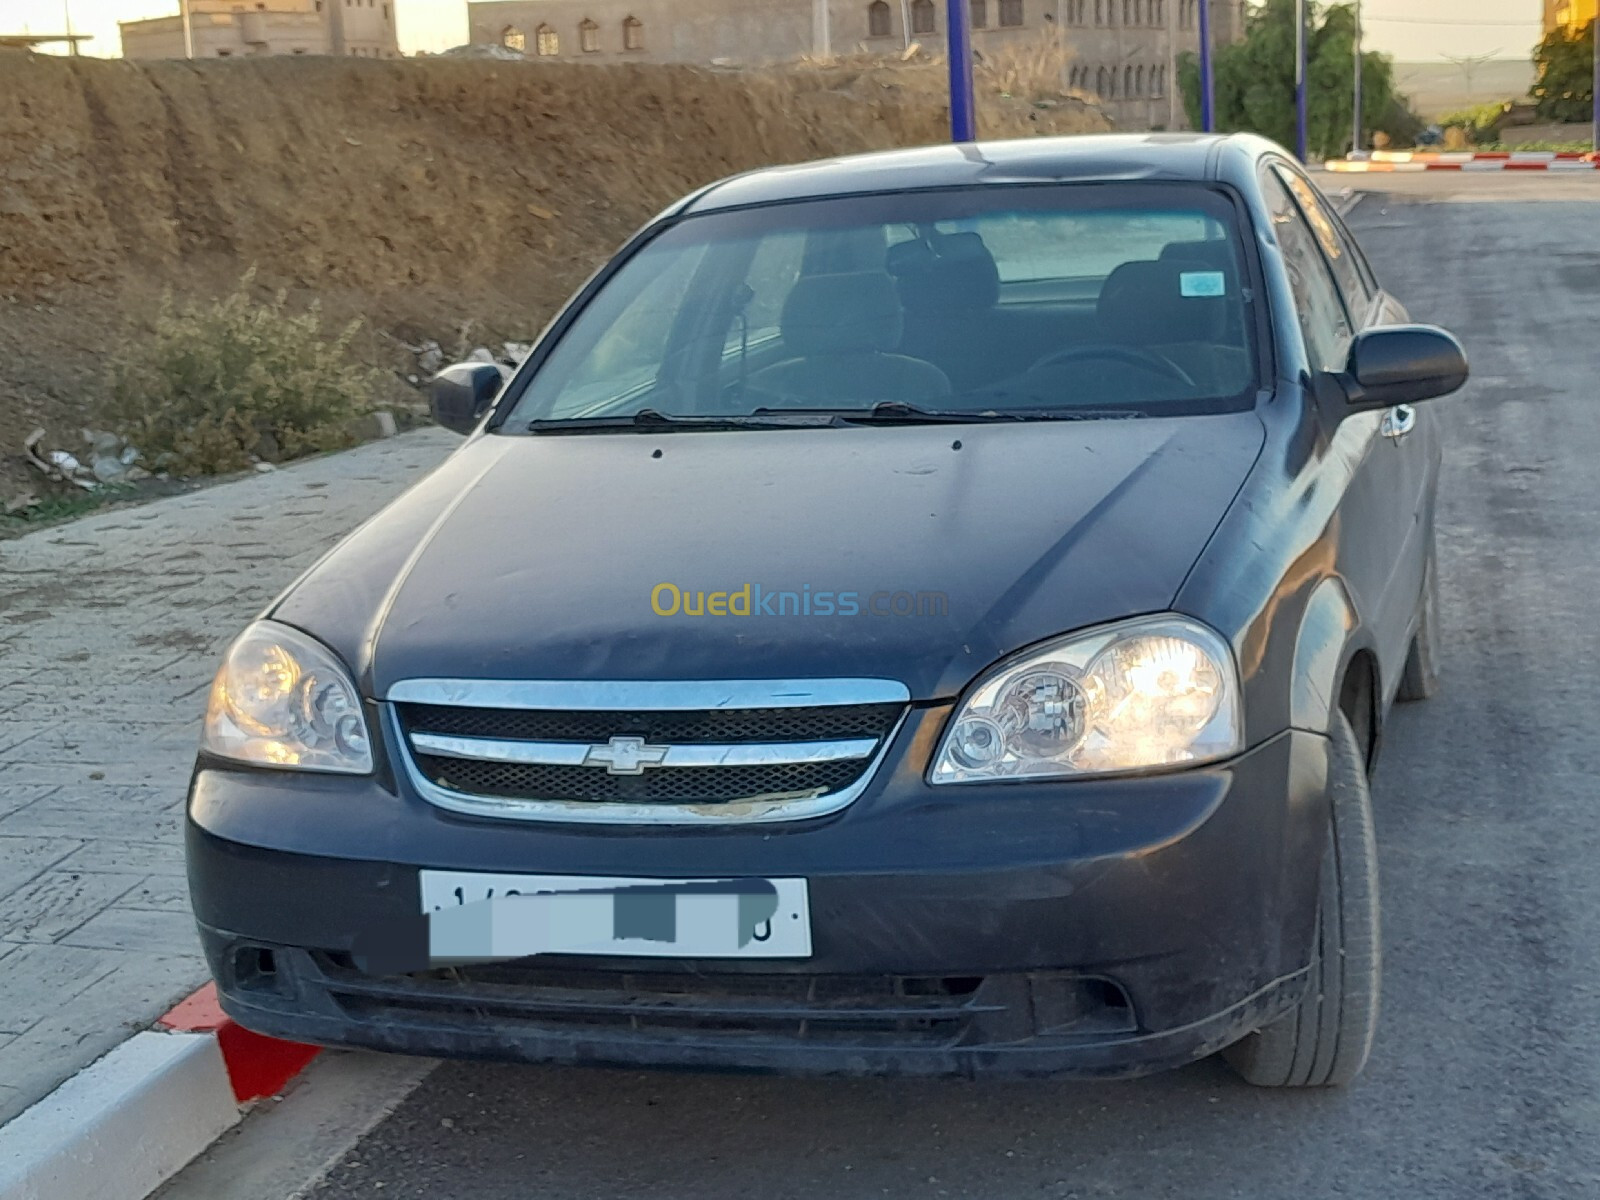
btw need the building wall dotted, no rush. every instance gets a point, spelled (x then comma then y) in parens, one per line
(1137, 40)
(227, 34)
(364, 28)
(227, 28)
(698, 31)
(232, 6)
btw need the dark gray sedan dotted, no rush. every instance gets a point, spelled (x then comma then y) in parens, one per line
(931, 612)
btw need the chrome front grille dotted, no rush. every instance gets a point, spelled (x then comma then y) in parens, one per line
(645, 752)
(691, 785)
(716, 725)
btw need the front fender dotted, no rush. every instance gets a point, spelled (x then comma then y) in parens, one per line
(1329, 637)
(1272, 578)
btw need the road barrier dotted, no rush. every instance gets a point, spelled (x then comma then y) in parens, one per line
(1465, 160)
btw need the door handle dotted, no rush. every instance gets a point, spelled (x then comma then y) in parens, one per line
(1398, 421)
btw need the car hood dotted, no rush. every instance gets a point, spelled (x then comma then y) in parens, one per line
(544, 557)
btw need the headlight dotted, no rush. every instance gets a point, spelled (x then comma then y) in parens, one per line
(282, 699)
(1152, 692)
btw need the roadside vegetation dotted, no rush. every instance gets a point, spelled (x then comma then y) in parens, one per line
(1563, 95)
(1255, 87)
(221, 385)
(1480, 125)
(1565, 90)
(1013, 84)
(1559, 147)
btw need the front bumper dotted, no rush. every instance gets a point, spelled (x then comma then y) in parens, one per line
(1091, 928)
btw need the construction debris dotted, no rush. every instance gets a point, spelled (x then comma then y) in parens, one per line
(56, 465)
(111, 461)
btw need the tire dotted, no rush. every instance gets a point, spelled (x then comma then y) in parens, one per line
(1420, 679)
(1325, 1040)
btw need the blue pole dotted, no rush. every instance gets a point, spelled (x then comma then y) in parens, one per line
(1300, 79)
(1208, 89)
(963, 110)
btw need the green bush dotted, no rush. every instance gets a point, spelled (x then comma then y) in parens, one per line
(1565, 90)
(1559, 147)
(217, 386)
(1255, 87)
(1481, 123)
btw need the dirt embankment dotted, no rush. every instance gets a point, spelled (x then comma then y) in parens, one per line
(420, 194)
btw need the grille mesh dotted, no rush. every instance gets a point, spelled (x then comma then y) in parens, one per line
(675, 785)
(706, 725)
(795, 988)
(850, 1009)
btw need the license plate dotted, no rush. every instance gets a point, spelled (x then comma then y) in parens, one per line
(473, 916)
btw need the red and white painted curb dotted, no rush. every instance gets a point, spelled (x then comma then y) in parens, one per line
(130, 1121)
(1517, 156)
(1465, 160)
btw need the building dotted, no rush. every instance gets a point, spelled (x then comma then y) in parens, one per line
(1123, 51)
(1571, 16)
(225, 28)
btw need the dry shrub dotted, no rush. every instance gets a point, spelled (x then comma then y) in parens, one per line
(219, 385)
(1021, 85)
(1028, 70)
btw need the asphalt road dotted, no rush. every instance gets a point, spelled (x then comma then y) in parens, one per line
(1484, 1079)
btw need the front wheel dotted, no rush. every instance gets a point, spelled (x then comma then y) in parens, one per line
(1324, 1040)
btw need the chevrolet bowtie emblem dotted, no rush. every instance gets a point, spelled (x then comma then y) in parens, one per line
(625, 756)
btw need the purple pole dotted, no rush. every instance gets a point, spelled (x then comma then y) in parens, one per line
(963, 110)
(1300, 79)
(1208, 90)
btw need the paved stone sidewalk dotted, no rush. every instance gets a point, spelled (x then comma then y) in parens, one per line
(110, 630)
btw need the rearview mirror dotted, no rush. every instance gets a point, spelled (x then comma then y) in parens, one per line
(461, 394)
(1401, 364)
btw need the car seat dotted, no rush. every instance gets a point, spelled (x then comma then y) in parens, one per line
(842, 332)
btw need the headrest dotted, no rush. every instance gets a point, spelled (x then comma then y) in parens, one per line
(953, 272)
(841, 314)
(1217, 255)
(1163, 303)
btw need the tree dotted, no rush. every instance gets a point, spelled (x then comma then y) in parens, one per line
(1255, 81)
(1565, 91)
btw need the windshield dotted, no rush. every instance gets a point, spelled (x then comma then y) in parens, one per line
(1025, 302)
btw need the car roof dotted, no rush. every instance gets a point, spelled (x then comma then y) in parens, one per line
(1093, 157)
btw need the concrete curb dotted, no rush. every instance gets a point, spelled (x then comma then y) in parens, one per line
(131, 1120)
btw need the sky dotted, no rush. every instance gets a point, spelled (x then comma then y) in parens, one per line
(1411, 30)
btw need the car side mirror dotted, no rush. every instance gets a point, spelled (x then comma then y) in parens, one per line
(461, 394)
(1401, 364)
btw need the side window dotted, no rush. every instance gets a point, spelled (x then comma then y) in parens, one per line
(1322, 315)
(1363, 265)
(629, 351)
(1332, 240)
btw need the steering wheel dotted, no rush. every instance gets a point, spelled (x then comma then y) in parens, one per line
(1145, 359)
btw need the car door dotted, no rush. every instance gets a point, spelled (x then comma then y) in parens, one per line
(1412, 432)
(1376, 514)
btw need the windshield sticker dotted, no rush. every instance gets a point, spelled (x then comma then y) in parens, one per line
(1203, 283)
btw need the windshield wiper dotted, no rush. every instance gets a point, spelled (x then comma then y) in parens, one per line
(1078, 414)
(893, 412)
(650, 420)
(886, 412)
(898, 412)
